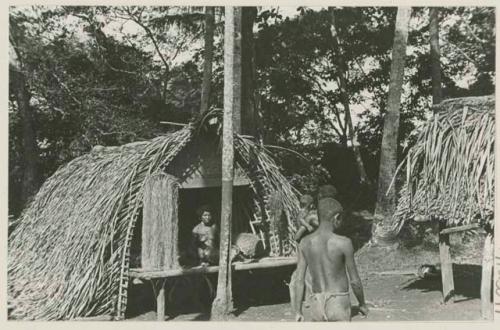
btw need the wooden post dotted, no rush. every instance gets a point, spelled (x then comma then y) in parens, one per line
(446, 265)
(160, 301)
(223, 303)
(487, 279)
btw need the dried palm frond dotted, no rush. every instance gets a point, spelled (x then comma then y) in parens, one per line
(450, 169)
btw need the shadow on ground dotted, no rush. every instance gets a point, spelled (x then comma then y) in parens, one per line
(466, 277)
(191, 295)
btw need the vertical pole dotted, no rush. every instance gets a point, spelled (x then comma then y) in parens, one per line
(160, 301)
(223, 303)
(446, 264)
(487, 279)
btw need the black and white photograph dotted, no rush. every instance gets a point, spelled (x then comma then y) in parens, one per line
(233, 163)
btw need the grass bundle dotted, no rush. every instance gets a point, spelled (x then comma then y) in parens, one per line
(450, 169)
(68, 256)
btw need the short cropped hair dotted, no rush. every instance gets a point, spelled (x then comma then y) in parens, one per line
(328, 208)
(327, 191)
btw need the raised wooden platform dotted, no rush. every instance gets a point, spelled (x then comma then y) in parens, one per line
(270, 262)
(159, 276)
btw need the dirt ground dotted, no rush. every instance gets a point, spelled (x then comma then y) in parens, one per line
(392, 292)
(391, 298)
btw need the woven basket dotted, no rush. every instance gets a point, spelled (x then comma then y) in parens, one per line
(250, 245)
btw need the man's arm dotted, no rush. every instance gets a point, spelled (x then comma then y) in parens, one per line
(300, 233)
(298, 288)
(352, 270)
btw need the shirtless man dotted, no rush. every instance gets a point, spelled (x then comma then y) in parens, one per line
(328, 256)
(204, 237)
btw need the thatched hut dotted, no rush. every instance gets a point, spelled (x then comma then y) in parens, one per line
(450, 174)
(69, 256)
(450, 169)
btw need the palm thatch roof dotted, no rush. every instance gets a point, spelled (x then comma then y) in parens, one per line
(450, 169)
(69, 255)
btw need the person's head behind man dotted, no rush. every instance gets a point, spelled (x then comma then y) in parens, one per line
(330, 211)
(327, 191)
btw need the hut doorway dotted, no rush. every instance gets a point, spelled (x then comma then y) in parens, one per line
(191, 199)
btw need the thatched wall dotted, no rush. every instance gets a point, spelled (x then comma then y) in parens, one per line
(69, 255)
(450, 169)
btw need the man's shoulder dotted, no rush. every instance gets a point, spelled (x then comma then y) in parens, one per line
(342, 241)
(305, 241)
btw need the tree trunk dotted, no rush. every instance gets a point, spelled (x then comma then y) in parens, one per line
(386, 200)
(208, 58)
(236, 69)
(30, 148)
(342, 68)
(435, 55)
(487, 278)
(248, 75)
(223, 303)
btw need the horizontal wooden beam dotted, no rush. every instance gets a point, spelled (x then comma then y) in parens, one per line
(93, 318)
(172, 123)
(458, 229)
(262, 264)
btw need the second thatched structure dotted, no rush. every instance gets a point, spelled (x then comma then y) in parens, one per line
(449, 175)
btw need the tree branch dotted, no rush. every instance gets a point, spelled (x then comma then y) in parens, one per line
(65, 87)
(463, 53)
(148, 31)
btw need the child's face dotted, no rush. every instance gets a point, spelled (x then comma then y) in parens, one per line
(305, 205)
(206, 217)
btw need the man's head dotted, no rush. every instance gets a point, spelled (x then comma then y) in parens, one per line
(327, 191)
(329, 210)
(306, 201)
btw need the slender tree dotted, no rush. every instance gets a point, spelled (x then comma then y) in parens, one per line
(22, 93)
(435, 55)
(236, 47)
(208, 58)
(223, 303)
(342, 68)
(386, 199)
(249, 109)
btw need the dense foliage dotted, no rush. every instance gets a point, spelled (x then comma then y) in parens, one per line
(109, 75)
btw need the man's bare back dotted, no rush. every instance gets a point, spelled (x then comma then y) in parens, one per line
(324, 253)
(330, 260)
